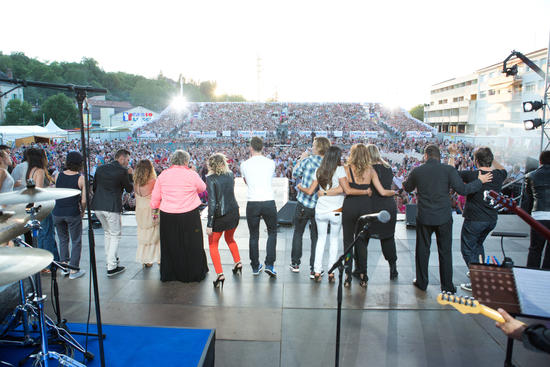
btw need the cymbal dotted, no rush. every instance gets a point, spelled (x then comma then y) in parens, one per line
(12, 226)
(20, 262)
(36, 194)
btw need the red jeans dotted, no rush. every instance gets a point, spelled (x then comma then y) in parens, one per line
(215, 254)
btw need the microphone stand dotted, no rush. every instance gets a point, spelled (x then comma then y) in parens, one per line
(339, 264)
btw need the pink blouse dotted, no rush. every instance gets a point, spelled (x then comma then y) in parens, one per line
(176, 190)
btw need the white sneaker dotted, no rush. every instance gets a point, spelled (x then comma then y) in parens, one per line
(466, 286)
(468, 274)
(78, 274)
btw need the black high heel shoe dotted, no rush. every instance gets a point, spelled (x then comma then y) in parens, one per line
(363, 279)
(219, 279)
(238, 269)
(347, 281)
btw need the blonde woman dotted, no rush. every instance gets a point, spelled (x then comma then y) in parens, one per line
(359, 176)
(223, 213)
(148, 232)
(383, 231)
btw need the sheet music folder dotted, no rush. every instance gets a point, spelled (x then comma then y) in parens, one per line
(518, 290)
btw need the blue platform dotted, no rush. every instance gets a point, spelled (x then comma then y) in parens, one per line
(138, 346)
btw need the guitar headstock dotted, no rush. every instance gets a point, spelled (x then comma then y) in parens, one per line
(499, 200)
(463, 304)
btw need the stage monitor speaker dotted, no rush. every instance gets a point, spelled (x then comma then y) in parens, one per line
(285, 216)
(410, 215)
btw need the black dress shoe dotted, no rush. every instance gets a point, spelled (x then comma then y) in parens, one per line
(418, 286)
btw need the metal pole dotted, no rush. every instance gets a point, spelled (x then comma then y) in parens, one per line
(545, 101)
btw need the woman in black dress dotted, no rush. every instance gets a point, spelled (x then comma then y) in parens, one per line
(383, 231)
(223, 214)
(356, 186)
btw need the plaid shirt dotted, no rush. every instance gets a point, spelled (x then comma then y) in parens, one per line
(306, 171)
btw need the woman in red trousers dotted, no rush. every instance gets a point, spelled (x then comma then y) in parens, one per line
(223, 213)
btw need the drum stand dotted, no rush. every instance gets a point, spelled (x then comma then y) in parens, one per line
(35, 307)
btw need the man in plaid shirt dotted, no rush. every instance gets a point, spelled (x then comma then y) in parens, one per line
(305, 209)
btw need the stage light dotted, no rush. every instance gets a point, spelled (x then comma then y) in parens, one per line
(179, 103)
(532, 124)
(511, 71)
(532, 106)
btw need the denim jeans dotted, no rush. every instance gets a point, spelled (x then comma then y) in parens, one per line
(472, 237)
(301, 217)
(46, 237)
(69, 228)
(266, 210)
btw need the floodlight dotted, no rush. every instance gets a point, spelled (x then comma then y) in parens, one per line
(532, 124)
(532, 106)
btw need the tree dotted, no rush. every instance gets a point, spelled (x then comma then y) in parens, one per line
(19, 113)
(418, 112)
(62, 110)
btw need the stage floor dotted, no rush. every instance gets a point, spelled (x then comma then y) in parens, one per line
(291, 321)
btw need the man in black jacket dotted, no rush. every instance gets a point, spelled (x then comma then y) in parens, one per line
(109, 182)
(537, 200)
(433, 180)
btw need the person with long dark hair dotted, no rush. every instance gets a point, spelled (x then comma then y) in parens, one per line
(328, 208)
(385, 232)
(359, 176)
(176, 195)
(223, 214)
(68, 212)
(37, 170)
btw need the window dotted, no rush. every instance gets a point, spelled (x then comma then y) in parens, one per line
(492, 92)
(530, 87)
(482, 94)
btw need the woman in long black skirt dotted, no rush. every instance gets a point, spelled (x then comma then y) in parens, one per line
(176, 190)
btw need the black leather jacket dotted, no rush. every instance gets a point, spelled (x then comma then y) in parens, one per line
(537, 190)
(109, 182)
(221, 196)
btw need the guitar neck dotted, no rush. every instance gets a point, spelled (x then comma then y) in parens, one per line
(491, 313)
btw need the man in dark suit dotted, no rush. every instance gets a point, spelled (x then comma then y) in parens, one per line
(110, 181)
(537, 203)
(432, 181)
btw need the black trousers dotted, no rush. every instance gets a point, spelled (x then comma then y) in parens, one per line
(443, 234)
(538, 242)
(266, 210)
(302, 215)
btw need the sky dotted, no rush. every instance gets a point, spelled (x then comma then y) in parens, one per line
(309, 51)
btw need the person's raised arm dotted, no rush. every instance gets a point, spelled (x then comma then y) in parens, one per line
(462, 188)
(497, 165)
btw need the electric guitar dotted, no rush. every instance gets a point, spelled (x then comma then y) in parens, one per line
(466, 305)
(498, 200)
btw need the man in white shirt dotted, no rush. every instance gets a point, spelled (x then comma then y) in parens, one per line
(258, 172)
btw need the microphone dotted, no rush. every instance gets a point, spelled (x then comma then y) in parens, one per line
(382, 217)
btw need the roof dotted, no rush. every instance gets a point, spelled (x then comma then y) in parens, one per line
(109, 104)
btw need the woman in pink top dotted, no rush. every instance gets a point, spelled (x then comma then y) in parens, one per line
(175, 193)
(148, 234)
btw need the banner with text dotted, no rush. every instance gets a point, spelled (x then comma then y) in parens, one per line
(321, 133)
(251, 133)
(363, 134)
(226, 133)
(338, 133)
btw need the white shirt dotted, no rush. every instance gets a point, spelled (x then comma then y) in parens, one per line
(326, 204)
(258, 171)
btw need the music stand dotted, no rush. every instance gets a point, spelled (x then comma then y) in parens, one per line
(497, 287)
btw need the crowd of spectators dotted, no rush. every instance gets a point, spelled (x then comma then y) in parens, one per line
(250, 116)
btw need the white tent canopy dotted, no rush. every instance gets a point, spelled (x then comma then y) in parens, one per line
(53, 128)
(12, 132)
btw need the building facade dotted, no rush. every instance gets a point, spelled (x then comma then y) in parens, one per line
(486, 102)
(15, 94)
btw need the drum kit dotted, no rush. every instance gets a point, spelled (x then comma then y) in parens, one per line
(28, 325)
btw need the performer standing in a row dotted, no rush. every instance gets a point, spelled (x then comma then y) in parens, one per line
(433, 180)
